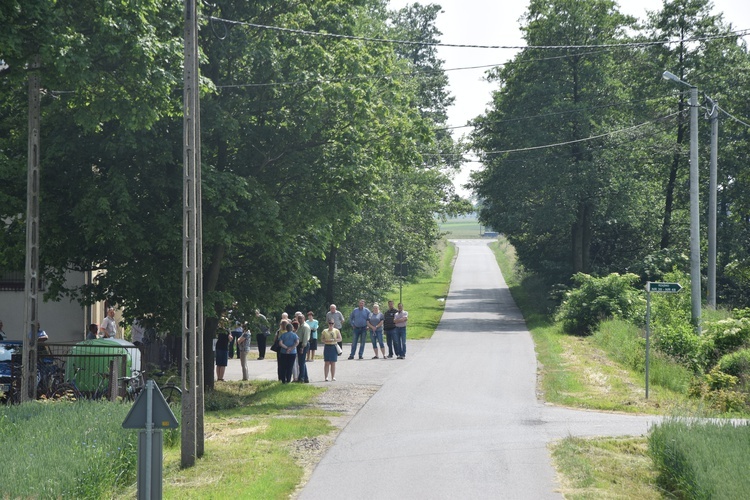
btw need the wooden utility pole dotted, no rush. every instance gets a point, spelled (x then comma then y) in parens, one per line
(31, 287)
(191, 265)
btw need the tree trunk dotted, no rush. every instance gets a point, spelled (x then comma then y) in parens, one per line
(211, 323)
(581, 237)
(666, 227)
(331, 263)
(586, 237)
(209, 332)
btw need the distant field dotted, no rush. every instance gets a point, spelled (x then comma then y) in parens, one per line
(461, 228)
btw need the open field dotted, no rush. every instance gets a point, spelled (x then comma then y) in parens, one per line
(461, 228)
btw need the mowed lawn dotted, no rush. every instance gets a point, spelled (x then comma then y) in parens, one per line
(462, 228)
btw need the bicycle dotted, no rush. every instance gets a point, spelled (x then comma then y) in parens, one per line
(171, 392)
(71, 392)
(133, 386)
(68, 391)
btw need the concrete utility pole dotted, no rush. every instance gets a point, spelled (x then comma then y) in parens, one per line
(31, 287)
(191, 264)
(695, 235)
(200, 382)
(713, 118)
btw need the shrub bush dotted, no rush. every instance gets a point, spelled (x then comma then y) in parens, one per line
(723, 337)
(680, 342)
(736, 363)
(674, 334)
(625, 343)
(596, 299)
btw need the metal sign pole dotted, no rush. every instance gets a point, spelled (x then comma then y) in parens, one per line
(149, 435)
(648, 330)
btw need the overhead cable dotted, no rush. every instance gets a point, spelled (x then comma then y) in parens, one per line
(736, 33)
(733, 117)
(534, 148)
(379, 76)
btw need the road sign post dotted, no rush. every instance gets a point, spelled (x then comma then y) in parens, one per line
(152, 413)
(654, 287)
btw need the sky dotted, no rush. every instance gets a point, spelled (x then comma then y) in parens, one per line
(496, 22)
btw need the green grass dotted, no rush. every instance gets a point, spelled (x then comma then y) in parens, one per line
(600, 372)
(65, 449)
(702, 460)
(606, 371)
(425, 300)
(605, 468)
(625, 344)
(461, 228)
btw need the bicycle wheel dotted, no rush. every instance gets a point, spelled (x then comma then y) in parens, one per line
(67, 392)
(172, 394)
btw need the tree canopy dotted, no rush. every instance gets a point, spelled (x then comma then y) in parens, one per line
(585, 146)
(321, 155)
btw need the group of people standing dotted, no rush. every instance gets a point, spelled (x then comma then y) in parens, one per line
(392, 323)
(296, 340)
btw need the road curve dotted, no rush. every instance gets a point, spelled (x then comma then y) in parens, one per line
(460, 418)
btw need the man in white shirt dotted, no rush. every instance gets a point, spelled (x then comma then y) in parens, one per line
(399, 342)
(108, 328)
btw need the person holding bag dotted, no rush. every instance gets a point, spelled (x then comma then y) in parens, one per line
(331, 349)
(276, 346)
(288, 342)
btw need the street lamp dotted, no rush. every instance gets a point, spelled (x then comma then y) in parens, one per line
(695, 255)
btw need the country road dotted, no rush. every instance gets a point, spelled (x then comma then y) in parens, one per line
(459, 418)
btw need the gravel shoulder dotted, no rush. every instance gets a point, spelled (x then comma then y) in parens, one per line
(343, 399)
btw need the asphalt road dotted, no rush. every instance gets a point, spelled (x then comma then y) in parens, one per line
(459, 418)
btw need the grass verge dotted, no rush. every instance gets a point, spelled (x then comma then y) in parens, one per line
(605, 371)
(599, 372)
(425, 299)
(605, 468)
(78, 449)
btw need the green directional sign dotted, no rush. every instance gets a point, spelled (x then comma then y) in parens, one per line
(657, 287)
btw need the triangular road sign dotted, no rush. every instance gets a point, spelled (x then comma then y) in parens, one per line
(162, 416)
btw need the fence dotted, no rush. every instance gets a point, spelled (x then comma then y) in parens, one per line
(94, 367)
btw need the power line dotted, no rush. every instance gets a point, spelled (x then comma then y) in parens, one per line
(378, 76)
(733, 117)
(736, 33)
(577, 110)
(546, 146)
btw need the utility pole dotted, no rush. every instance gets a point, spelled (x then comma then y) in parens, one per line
(199, 361)
(191, 265)
(695, 235)
(695, 232)
(31, 287)
(713, 118)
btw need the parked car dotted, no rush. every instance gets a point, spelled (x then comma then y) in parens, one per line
(10, 363)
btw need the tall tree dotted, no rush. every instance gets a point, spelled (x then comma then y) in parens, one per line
(548, 200)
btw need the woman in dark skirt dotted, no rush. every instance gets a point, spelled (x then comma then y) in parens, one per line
(222, 352)
(330, 339)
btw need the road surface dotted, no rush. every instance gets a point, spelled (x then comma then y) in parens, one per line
(459, 418)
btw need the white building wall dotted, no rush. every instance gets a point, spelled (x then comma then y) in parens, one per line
(63, 321)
